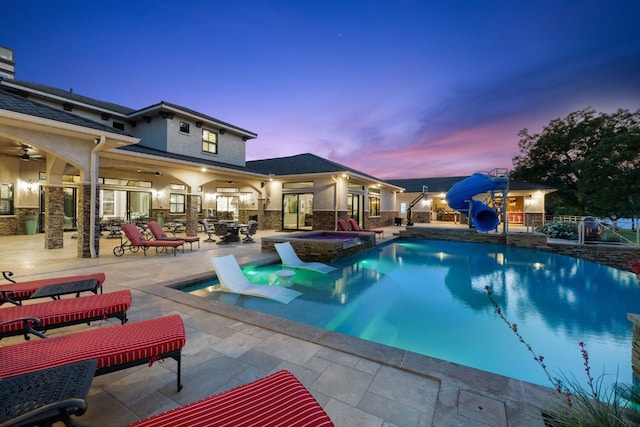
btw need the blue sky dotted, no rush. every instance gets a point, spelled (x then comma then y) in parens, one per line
(396, 89)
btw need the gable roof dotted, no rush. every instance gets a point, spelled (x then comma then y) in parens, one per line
(302, 164)
(443, 184)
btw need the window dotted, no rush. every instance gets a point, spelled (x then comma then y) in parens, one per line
(184, 127)
(374, 206)
(177, 203)
(209, 141)
(6, 199)
(119, 126)
(297, 185)
(180, 187)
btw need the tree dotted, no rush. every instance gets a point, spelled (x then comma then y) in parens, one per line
(592, 159)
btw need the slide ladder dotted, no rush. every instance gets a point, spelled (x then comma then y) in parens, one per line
(415, 201)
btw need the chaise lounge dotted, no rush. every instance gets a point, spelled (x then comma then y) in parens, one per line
(289, 258)
(114, 347)
(137, 241)
(37, 318)
(16, 292)
(273, 401)
(356, 227)
(159, 234)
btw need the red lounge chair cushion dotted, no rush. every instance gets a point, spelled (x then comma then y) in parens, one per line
(111, 346)
(66, 310)
(23, 290)
(276, 400)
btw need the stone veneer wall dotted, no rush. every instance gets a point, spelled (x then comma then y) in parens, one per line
(272, 220)
(54, 218)
(613, 256)
(11, 225)
(635, 344)
(385, 219)
(191, 226)
(525, 240)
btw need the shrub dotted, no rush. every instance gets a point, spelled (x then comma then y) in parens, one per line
(560, 230)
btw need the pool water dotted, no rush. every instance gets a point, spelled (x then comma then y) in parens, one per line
(429, 297)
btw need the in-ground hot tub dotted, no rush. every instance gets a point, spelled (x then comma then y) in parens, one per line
(324, 246)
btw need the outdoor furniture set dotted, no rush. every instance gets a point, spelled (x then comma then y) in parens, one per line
(39, 389)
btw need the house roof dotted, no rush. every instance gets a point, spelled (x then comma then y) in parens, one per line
(302, 164)
(15, 87)
(16, 103)
(443, 184)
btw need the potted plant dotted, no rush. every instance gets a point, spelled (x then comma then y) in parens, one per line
(31, 222)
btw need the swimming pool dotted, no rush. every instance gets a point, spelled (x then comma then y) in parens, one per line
(428, 297)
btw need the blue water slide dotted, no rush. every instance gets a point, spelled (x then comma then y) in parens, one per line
(460, 196)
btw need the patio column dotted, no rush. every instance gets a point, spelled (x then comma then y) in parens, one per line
(84, 223)
(54, 217)
(191, 227)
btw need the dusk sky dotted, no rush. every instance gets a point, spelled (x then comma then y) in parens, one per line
(395, 89)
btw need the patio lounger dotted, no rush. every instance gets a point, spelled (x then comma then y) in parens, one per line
(137, 241)
(290, 259)
(356, 227)
(114, 347)
(343, 226)
(273, 401)
(15, 293)
(46, 396)
(36, 318)
(233, 280)
(158, 233)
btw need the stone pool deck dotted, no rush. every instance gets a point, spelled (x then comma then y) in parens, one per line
(357, 382)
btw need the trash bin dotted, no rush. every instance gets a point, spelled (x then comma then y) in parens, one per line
(591, 229)
(31, 222)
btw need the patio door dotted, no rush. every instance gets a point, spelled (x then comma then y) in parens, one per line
(355, 207)
(297, 211)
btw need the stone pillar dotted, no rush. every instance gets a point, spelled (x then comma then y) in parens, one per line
(191, 227)
(53, 218)
(635, 344)
(84, 221)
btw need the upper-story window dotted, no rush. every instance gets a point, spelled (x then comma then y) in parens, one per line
(184, 127)
(209, 141)
(118, 125)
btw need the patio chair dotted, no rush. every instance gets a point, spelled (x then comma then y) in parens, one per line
(275, 400)
(342, 225)
(159, 234)
(222, 231)
(289, 258)
(209, 230)
(16, 292)
(37, 318)
(114, 347)
(249, 231)
(137, 241)
(356, 227)
(233, 280)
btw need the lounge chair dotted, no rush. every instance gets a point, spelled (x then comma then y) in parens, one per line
(343, 226)
(233, 280)
(114, 347)
(356, 227)
(37, 318)
(137, 241)
(249, 231)
(289, 258)
(47, 396)
(159, 234)
(275, 400)
(16, 292)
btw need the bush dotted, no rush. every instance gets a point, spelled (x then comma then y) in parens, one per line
(560, 230)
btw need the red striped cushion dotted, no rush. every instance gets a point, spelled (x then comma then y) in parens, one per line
(66, 310)
(24, 290)
(276, 400)
(111, 346)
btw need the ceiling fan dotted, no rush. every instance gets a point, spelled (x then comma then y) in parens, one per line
(25, 156)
